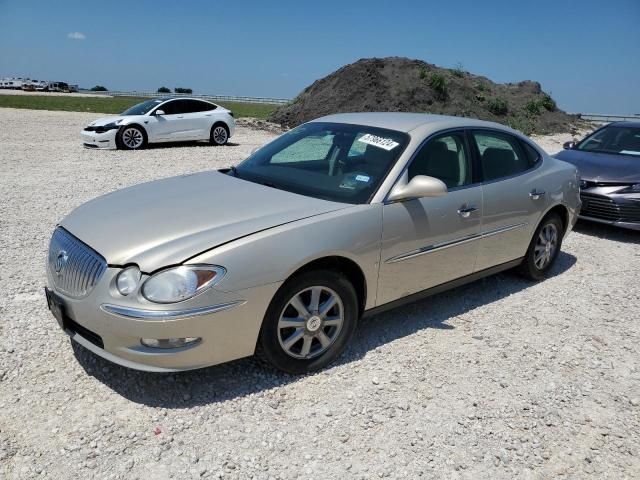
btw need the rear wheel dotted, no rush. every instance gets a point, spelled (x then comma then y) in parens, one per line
(544, 248)
(131, 138)
(309, 323)
(219, 134)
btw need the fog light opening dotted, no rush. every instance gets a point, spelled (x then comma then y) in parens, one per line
(165, 343)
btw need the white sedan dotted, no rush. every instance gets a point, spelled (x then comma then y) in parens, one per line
(161, 120)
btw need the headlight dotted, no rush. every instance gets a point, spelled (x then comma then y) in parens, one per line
(632, 189)
(108, 126)
(180, 283)
(127, 280)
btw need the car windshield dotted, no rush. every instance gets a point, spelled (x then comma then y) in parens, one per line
(333, 161)
(142, 108)
(620, 139)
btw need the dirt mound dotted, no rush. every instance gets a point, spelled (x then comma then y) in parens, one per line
(397, 84)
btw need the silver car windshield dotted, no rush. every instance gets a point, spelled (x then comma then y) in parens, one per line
(623, 140)
(333, 161)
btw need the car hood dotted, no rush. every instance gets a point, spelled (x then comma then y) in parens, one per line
(603, 167)
(168, 221)
(104, 120)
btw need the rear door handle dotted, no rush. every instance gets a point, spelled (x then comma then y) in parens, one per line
(466, 210)
(536, 194)
(180, 116)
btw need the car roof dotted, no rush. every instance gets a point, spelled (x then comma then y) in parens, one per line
(179, 97)
(406, 122)
(626, 123)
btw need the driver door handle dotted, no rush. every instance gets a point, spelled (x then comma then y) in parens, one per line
(466, 210)
(536, 194)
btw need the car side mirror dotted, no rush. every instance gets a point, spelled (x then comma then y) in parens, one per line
(159, 112)
(569, 145)
(420, 186)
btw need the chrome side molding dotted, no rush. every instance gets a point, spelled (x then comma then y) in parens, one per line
(453, 243)
(143, 314)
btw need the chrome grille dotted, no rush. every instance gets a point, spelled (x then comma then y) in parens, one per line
(605, 208)
(74, 268)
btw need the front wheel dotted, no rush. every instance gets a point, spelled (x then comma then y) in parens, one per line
(544, 248)
(219, 134)
(309, 322)
(131, 138)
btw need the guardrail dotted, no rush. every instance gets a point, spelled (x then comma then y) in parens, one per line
(219, 98)
(607, 118)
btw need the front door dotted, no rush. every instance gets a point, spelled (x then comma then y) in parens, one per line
(430, 241)
(177, 123)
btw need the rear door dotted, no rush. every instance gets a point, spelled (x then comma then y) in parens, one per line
(200, 116)
(513, 195)
(430, 241)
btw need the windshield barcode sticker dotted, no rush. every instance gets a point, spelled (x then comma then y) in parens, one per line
(381, 142)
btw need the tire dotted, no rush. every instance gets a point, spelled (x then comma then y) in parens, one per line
(312, 340)
(219, 134)
(540, 257)
(131, 137)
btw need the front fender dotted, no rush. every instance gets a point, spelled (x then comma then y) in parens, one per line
(273, 255)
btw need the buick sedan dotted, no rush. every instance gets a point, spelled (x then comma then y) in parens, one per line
(280, 256)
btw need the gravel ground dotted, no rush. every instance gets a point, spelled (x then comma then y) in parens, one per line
(499, 379)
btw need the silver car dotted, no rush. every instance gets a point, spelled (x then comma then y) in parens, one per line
(281, 256)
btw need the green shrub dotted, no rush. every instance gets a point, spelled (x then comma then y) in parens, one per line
(439, 84)
(182, 90)
(498, 106)
(480, 86)
(532, 107)
(164, 90)
(524, 125)
(423, 74)
(548, 103)
(99, 88)
(458, 70)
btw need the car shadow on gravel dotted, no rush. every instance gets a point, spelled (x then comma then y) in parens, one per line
(247, 376)
(159, 146)
(607, 232)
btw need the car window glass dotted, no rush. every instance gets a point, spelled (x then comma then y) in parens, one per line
(531, 153)
(500, 155)
(170, 108)
(319, 159)
(613, 139)
(205, 106)
(445, 158)
(307, 149)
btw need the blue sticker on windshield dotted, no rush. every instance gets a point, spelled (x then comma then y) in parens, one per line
(363, 178)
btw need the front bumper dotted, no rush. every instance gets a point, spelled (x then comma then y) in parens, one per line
(602, 206)
(95, 140)
(227, 323)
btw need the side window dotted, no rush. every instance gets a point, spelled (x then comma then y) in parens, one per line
(532, 154)
(194, 106)
(307, 149)
(446, 158)
(500, 155)
(170, 108)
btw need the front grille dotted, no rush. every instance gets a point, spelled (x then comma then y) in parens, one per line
(604, 208)
(74, 327)
(74, 268)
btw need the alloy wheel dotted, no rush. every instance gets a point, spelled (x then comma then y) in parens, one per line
(132, 138)
(220, 135)
(310, 322)
(546, 245)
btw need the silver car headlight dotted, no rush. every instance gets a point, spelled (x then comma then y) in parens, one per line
(181, 283)
(127, 280)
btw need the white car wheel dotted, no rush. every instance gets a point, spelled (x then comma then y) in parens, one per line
(131, 138)
(219, 135)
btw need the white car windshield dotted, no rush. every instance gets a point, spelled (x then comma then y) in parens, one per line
(333, 161)
(143, 108)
